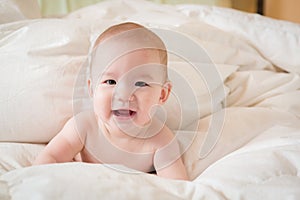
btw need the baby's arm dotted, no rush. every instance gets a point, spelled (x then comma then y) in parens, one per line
(168, 162)
(63, 147)
(175, 170)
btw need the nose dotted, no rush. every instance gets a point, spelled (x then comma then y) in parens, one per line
(123, 92)
(123, 96)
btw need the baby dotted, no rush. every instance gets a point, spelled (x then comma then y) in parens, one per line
(128, 86)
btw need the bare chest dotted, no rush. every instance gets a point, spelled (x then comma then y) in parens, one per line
(136, 155)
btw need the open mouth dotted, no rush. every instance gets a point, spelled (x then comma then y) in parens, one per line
(124, 113)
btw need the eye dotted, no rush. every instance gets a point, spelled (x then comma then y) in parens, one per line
(110, 82)
(141, 84)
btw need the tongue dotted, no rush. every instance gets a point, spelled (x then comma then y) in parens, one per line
(125, 113)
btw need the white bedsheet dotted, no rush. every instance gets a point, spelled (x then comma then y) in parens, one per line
(256, 155)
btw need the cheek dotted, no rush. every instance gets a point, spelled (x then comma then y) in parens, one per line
(102, 103)
(148, 99)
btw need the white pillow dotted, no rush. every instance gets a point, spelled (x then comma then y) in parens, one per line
(40, 60)
(192, 98)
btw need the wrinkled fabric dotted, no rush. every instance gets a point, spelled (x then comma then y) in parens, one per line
(246, 149)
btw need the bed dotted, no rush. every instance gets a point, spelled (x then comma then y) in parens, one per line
(239, 125)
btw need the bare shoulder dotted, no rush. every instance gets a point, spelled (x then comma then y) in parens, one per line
(85, 119)
(76, 129)
(83, 122)
(164, 137)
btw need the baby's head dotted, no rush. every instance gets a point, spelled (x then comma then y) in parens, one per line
(122, 39)
(128, 74)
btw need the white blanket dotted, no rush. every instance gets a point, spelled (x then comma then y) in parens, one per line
(255, 153)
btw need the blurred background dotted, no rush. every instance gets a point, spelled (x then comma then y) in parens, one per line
(279, 9)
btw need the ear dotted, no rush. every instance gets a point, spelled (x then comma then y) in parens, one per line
(90, 88)
(165, 92)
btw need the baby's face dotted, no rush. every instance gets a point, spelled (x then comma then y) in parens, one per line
(130, 88)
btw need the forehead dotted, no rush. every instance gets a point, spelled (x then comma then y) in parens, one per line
(104, 62)
(136, 65)
(139, 65)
